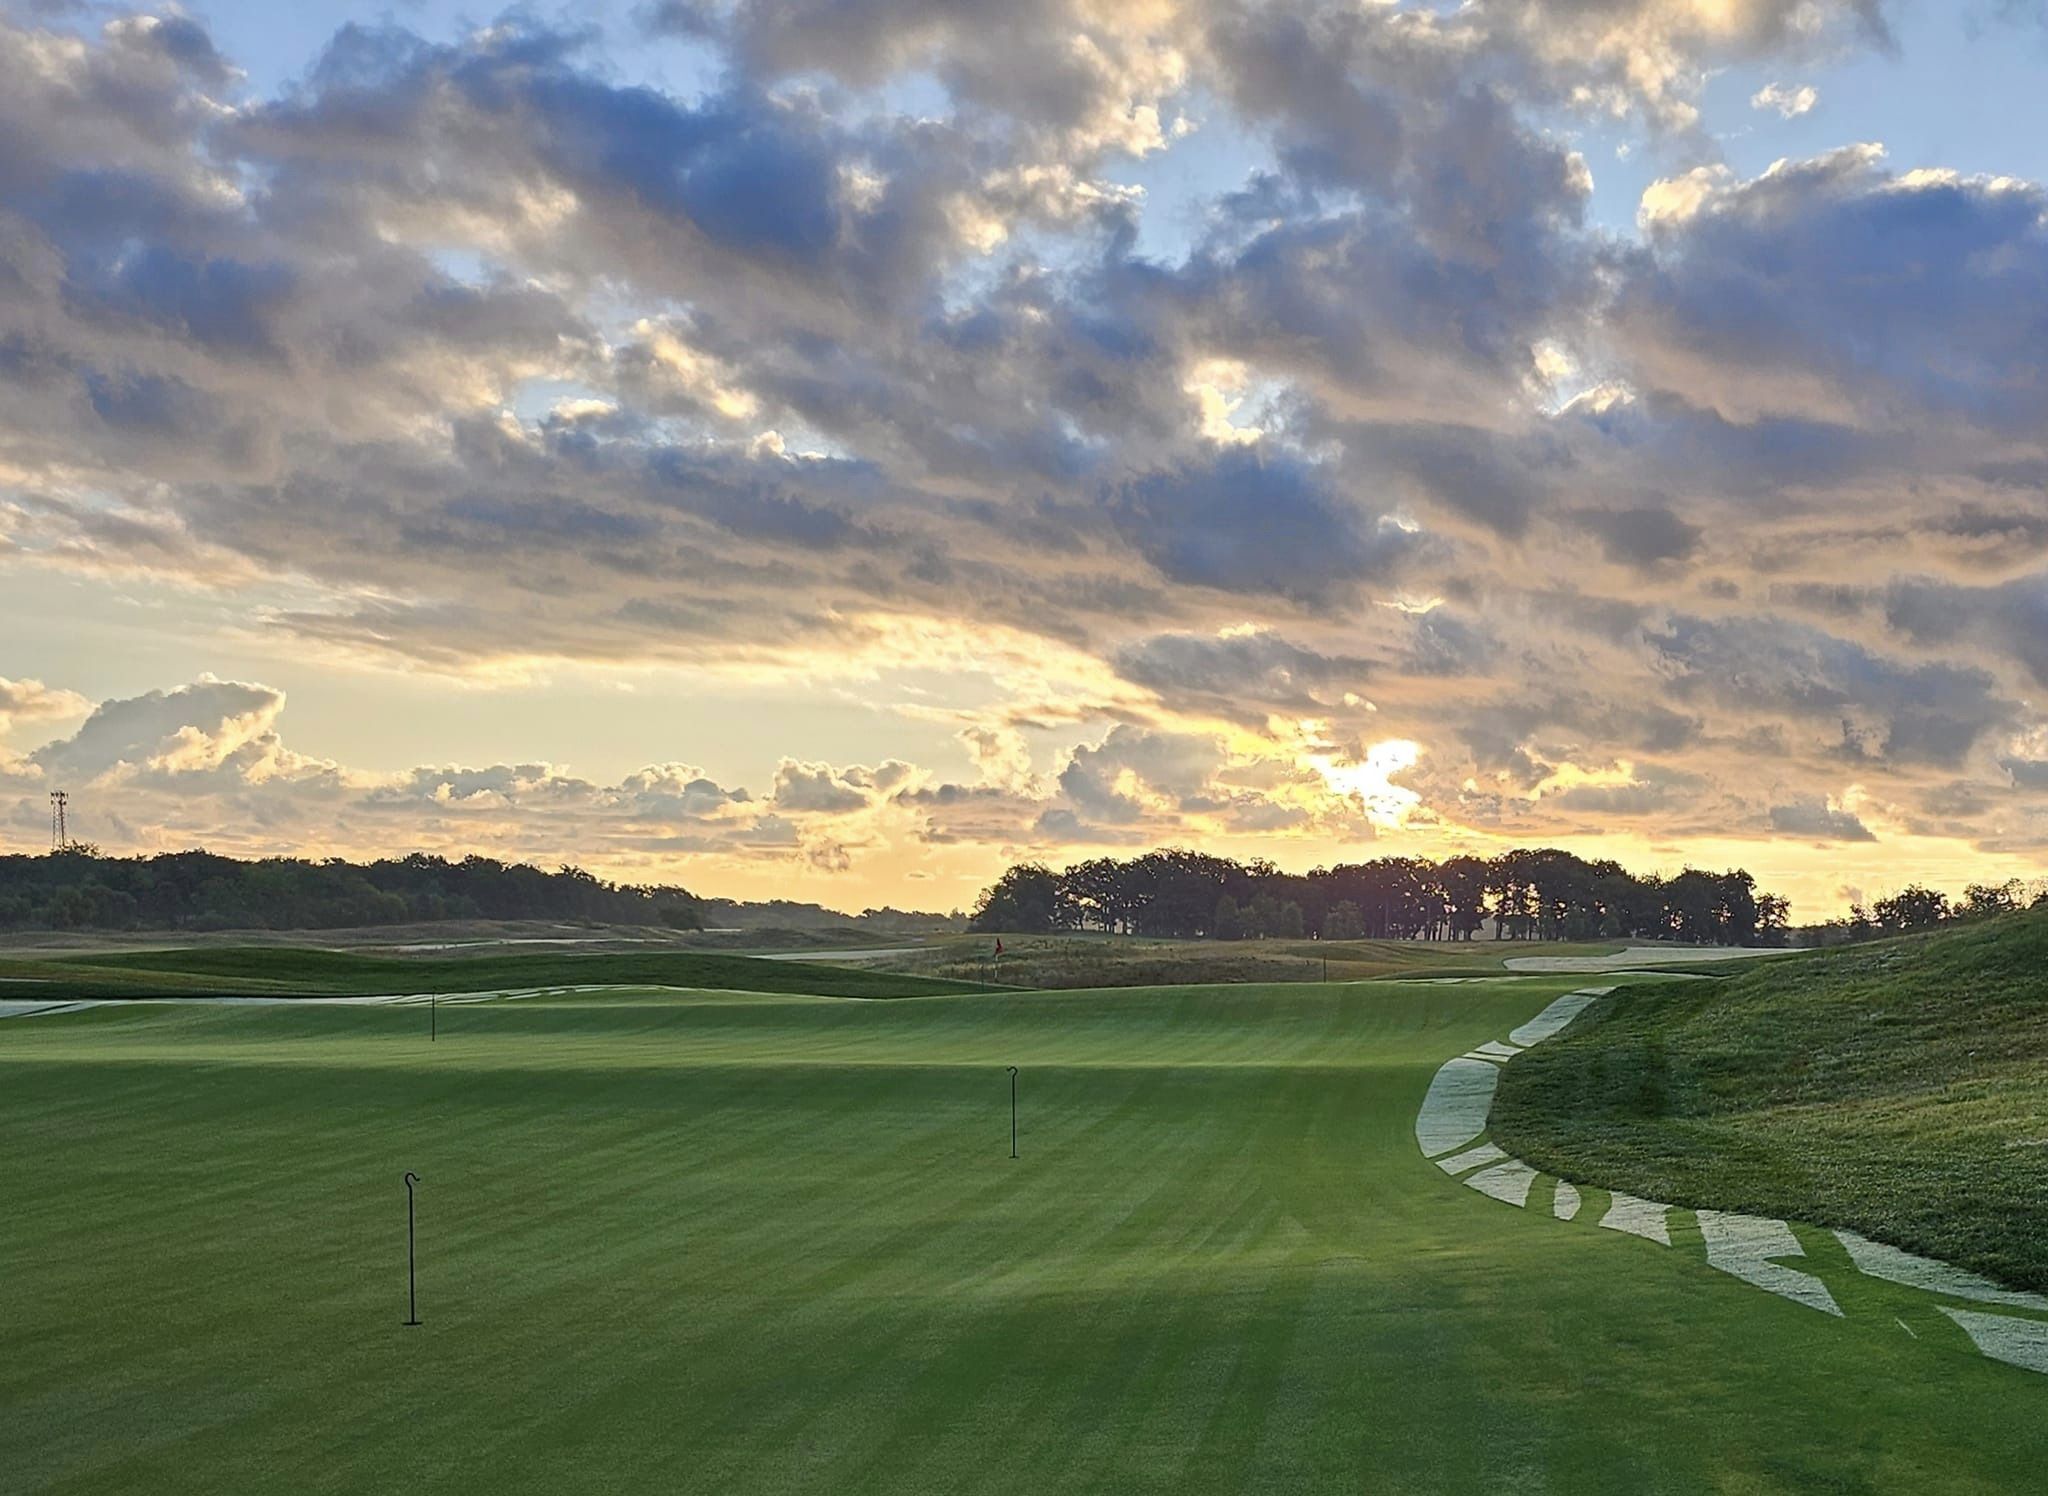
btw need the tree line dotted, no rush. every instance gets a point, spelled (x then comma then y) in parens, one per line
(77, 889)
(1917, 907)
(1526, 894)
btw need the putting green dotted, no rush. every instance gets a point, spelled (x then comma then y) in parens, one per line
(721, 1242)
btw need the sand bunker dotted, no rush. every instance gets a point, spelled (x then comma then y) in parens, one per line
(2018, 1342)
(1454, 1111)
(1743, 1246)
(1636, 956)
(1565, 1205)
(1472, 1158)
(1509, 1181)
(1895, 1266)
(1557, 1015)
(1644, 1218)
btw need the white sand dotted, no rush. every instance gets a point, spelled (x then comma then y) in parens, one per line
(1637, 956)
(1454, 1111)
(1743, 1246)
(1494, 1049)
(1895, 1266)
(1471, 1158)
(33, 1009)
(2018, 1342)
(1553, 1018)
(1509, 1181)
(1566, 1204)
(1644, 1218)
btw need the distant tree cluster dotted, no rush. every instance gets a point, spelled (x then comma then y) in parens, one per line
(80, 890)
(1542, 894)
(792, 915)
(1917, 907)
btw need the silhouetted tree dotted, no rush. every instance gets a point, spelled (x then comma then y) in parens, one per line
(1026, 899)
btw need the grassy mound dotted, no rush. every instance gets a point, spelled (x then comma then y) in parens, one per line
(1898, 1088)
(272, 970)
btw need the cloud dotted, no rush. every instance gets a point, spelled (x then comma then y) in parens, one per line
(1871, 705)
(1814, 817)
(1643, 537)
(206, 727)
(1789, 102)
(2009, 620)
(820, 789)
(1237, 667)
(32, 701)
(869, 363)
(1243, 522)
(1835, 290)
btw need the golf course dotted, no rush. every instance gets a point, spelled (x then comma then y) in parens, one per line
(727, 1240)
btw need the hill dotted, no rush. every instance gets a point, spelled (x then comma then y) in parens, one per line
(1898, 1088)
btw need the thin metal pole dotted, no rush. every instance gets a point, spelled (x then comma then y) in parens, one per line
(433, 1016)
(412, 1291)
(1013, 1111)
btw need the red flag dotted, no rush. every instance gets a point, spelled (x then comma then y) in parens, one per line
(999, 947)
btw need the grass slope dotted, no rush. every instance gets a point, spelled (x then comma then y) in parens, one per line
(1898, 1088)
(737, 1243)
(300, 972)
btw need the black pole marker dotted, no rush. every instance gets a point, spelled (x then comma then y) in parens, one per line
(1013, 1111)
(412, 1288)
(433, 1016)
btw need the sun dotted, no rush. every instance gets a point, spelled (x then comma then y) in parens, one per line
(1369, 781)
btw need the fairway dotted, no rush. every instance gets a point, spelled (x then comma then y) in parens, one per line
(732, 1242)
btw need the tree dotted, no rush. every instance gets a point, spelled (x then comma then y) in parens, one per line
(1982, 900)
(1025, 900)
(1912, 908)
(1463, 880)
(1343, 922)
(1287, 921)
(1228, 925)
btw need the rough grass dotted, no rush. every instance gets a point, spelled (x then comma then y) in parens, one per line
(1900, 1089)
(1086, 961)
(284, 971)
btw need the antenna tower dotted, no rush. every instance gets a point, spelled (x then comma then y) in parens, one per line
(60, 832)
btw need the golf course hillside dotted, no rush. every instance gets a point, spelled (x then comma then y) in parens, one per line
(271, 971)
(1898, 1089)
(739, 1242)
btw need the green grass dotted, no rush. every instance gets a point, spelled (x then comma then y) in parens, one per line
(289, 971)
(1900, 1089)
(743, 1243)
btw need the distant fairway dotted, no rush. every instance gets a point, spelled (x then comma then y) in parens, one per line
(726, 1242)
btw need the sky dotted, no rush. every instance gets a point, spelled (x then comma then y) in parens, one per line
(834, 449)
